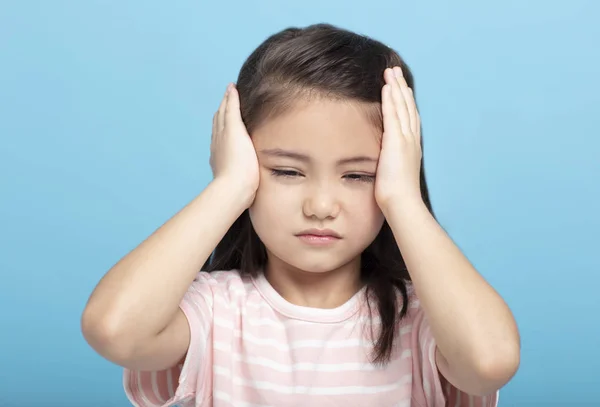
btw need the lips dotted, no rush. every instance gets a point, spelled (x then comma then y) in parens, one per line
(320, 233)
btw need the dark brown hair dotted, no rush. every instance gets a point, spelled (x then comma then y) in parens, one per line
(322, 61)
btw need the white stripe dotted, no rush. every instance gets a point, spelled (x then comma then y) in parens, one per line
(427, 390)
(310, 367)
(154, 381)
(347, 343)
(223, 323)
(222, 346)
(305, 344)
(428, 347)
(312, 344)
(285, 346)
(127, 384)
(194, 291)
(458, 396)
(200, 308)
(221, 395)
(141, 392)
(170, 384)
(322, 391)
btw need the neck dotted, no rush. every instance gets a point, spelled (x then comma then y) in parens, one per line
(328, 289)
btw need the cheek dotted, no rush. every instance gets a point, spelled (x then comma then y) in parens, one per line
(270, 197)
(271, 205)
(365, 214)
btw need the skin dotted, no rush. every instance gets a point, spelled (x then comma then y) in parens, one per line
(317, 170)
(478, 343)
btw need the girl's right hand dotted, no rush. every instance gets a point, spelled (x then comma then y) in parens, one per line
(232, 154)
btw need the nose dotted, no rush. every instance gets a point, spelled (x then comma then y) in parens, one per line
(321, 203)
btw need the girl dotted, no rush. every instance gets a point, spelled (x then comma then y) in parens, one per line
(330, 281)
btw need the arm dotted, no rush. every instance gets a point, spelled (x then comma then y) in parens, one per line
(132, 317)
(477, 338)
(475, 332)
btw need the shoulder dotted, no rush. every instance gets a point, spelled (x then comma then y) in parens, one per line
(222, 279)
(415, 320)
(224, 285)
(430, 388)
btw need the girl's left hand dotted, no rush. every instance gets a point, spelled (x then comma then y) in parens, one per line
(398, 170)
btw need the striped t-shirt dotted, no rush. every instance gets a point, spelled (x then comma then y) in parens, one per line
(250, 347)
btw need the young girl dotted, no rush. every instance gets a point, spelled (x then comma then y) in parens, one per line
(330, 281)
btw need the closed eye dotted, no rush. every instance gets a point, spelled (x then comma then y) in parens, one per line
(295, 174)
(285, 173)
(360, 177)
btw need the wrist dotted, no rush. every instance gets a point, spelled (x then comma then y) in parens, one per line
(236, 193)
(402, 206)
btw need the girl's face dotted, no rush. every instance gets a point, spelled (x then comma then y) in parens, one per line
(317, 175)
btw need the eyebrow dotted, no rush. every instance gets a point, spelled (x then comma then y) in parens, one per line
(277, 152)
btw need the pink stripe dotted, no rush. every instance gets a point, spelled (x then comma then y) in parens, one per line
(162, 386)
(147, 390)
(243, 352)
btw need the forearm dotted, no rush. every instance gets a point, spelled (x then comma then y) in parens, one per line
(139, 296)
(474, 329)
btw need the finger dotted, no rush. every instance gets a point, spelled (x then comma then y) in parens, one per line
(418, 124)
(399, 102)
(214, 126)
(391, 122)
(412, 109)
(221, 111)
(408, 99)
(232, 108)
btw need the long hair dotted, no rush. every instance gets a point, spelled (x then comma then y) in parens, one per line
(324, 61)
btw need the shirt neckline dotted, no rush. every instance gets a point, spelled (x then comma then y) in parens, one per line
(309, 314)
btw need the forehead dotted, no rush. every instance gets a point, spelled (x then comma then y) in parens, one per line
(322, 128)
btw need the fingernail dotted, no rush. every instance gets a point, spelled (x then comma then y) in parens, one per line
(398, 72)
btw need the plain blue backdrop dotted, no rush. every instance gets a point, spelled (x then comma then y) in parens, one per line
(105, 118)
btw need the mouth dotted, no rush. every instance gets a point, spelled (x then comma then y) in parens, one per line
(319, 236)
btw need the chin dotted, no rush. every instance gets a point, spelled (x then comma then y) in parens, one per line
(314, 263)
(314, 268)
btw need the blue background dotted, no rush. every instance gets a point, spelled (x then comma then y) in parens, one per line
(105, 118)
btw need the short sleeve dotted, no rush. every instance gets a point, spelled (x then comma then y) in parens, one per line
(428, 384)
(187, 383)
